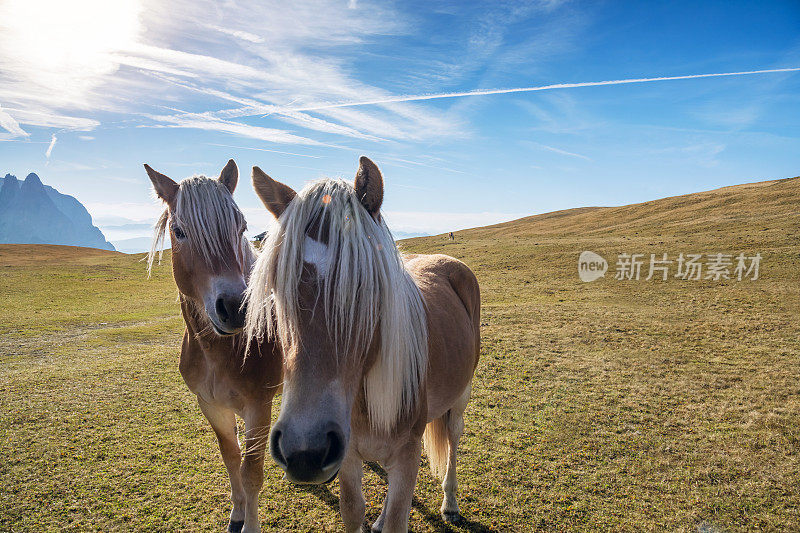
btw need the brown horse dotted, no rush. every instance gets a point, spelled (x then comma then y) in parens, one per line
(211, 261)
(379, 347)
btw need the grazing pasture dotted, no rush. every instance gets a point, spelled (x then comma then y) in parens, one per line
(623, 405)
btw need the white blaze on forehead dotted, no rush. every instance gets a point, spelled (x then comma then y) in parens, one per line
(316, 253)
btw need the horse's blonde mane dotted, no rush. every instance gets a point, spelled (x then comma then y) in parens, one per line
(208, 215)
(365, 287)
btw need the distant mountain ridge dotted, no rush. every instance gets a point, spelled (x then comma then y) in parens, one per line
(34, 213)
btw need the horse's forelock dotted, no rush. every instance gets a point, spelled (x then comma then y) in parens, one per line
(211, 220)
(366, 287)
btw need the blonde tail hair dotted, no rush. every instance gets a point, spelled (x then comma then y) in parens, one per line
(437, 445)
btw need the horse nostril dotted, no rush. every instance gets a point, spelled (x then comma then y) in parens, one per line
(275, 448)
(222, 312)
(335, 449)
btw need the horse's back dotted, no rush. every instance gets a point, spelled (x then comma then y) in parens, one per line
(452, 297)
(439, 273)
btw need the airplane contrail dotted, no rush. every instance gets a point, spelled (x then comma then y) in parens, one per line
(418, 97)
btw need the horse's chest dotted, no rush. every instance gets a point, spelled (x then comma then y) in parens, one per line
(371, 448)
(380, 447)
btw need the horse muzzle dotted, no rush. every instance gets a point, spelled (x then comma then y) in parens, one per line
(308, 459)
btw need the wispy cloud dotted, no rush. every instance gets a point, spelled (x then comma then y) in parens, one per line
(134, 211)
(49, 151)
(421, 164)
(204, 122)
(44, 118)
(112, 61)
(253, 107)
(700, 152)
(10, 124)
(487, 92)
(243, 35)
(265, 150)
(557, 150)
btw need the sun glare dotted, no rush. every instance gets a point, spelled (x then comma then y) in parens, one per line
(67, 45)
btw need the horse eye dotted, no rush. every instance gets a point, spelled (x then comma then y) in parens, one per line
(178, 232)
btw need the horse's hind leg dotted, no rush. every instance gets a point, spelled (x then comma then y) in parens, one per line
(223, 421)
(256, 427)
(455, 428)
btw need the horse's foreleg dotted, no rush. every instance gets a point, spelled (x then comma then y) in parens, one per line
(402, 480)
(378, 525)
(256, 427)
(223, 421)
(351, 499)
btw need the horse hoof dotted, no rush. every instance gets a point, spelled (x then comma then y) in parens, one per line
(452, 517)
(235, 527)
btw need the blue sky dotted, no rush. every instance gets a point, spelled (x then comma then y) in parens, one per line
(90, 90)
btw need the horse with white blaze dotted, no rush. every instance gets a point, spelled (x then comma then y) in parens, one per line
(379, 347)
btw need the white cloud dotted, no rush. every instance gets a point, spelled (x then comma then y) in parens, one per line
(264, 150)
(105, 56)
(294, 62)
(49, 151)
(700, 152)
(204, 122)
(288, 67)
(44, 118)
(188, 64)
(245, 36)
(487, 92)
(131, 211)
(9, 123)
(557, 150)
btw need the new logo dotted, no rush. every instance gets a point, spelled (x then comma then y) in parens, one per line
(591, 266)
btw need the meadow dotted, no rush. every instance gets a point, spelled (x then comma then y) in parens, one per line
(613, 405)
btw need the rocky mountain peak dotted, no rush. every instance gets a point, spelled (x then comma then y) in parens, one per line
(34, 213)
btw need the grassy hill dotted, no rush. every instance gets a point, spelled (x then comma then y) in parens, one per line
(614, 404)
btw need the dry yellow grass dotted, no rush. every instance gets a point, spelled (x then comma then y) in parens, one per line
(622, 405)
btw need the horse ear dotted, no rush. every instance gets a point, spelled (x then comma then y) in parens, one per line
(166, 188)
(230, 175)
(275, 195)
(369, 186)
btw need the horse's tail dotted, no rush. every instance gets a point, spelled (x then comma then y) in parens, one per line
(436, 445)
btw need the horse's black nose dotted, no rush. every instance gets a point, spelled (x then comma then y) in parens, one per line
(316, 463)
(230, 312)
